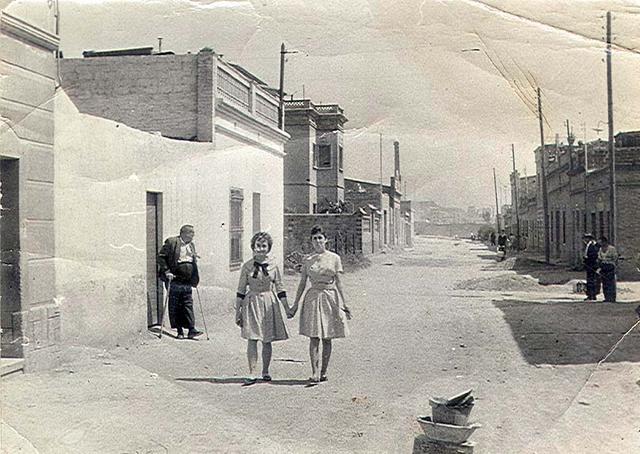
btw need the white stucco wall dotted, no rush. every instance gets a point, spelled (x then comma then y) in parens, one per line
(102, 173)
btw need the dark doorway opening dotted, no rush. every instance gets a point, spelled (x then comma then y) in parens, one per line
(10, 295)
(154, 242)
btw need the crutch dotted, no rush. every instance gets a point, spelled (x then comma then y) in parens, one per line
(164, 306)
(204, 322)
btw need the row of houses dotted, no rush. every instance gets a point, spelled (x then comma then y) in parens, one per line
(102, 157)
(578, 193)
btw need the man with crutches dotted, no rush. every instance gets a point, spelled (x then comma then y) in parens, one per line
(178, 268)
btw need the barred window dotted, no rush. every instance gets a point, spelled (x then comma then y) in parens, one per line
(235, 228)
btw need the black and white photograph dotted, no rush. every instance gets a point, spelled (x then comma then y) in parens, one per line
(320, 226)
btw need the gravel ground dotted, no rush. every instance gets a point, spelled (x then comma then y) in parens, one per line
(412, 337)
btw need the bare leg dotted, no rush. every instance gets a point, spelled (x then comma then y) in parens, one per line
(252, 356)
(266, 357)
(326, 356)
(314, 354)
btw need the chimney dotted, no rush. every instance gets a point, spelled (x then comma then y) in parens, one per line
(396, 159)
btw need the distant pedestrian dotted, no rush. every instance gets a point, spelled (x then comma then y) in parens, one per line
(324, 314)
(258, 305)
(590, 261)
(502, 246)
(492, 238)
(608, 263)
(178, 268)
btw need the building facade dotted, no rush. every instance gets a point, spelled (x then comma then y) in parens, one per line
(314, 161)
(577, 179)
(30, 317)
(129, 177)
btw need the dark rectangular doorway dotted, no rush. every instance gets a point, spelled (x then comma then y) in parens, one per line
(10, 297)
(154, 242)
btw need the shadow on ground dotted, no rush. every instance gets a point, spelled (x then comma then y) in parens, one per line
(572, 333)
(242, 381)
(546, 274)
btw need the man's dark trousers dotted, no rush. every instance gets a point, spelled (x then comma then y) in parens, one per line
(181, 306)
(608, 282)
(593, 282)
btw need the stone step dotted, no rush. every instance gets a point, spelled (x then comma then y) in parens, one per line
(11, 366)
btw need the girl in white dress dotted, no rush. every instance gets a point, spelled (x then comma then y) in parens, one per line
(323, 315)
(258, 305)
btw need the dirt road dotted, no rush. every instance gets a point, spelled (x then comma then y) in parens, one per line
(414, 335)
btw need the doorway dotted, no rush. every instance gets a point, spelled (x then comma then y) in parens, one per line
(154, 242)
(10, 297)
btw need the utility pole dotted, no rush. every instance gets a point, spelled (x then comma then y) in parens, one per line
(515, 195)
(495, 189)
(543, 177)
(586, 186)
(612, 149)
(283, 52)
(380, 163)
(570, 140)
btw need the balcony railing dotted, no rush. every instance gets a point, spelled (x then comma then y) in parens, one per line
(246, 95)
(266, 110)
(230, 89)
(320, 108)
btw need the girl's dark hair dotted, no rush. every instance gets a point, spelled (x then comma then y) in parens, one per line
(316, 229)
(261, 236)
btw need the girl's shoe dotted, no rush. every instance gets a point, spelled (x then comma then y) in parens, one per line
(249, 381)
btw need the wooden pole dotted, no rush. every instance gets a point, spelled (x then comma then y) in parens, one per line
(515, 203)
(495, 189)
(612, 149)
(543, 178)
(283, 52)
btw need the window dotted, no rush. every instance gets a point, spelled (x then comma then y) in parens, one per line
(314, 155)
(551, 227)
(564, 227)
(340, 157)
(593, 224)
(235, 228)
(256, 212)
(609, 227)
(324, 156)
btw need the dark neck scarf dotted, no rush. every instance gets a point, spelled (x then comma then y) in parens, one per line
(257, 266)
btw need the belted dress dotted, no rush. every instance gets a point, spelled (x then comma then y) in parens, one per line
(321, 314)
(260, 288)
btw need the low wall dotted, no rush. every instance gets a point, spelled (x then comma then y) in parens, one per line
(463, 230)
(344, 232)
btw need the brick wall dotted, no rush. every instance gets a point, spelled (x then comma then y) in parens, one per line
(344, 232)
(566, 195)
(150, 93)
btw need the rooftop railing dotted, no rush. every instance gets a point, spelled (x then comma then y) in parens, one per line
(246, 95)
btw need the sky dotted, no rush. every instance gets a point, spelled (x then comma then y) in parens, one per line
(453, 81)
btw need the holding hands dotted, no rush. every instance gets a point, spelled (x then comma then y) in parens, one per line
(291, 311)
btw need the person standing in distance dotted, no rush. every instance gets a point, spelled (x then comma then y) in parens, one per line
(590, 261)
(178, 268)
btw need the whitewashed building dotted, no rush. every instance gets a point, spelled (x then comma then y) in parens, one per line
(146, 143)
